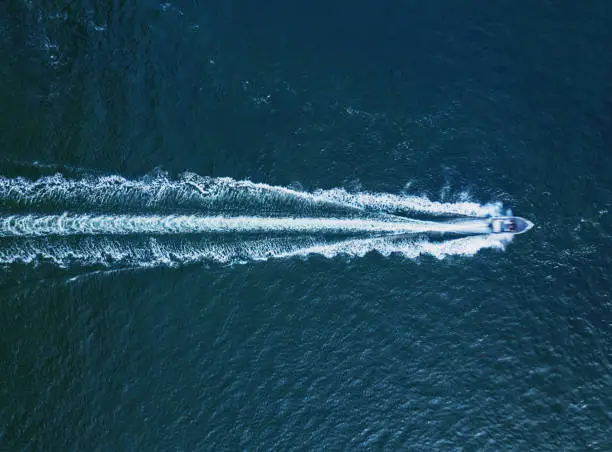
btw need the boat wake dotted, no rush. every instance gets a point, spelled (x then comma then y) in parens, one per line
(112, 221)
(190, 191)
(158, 251)
(65, 224)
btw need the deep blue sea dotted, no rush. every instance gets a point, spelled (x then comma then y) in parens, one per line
(263, 225)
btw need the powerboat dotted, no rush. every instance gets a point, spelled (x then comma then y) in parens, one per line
(509, 225)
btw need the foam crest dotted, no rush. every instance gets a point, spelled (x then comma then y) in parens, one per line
(406, 203)
(191, 191)
(99, 191)
(386, 246)
(153, 252)
(63, 225)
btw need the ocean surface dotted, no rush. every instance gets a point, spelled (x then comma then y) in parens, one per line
(241, 225)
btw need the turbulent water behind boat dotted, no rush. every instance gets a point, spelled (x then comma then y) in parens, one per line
(217, 233)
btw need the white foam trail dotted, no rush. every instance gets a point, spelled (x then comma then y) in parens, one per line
(193, 191)
(135, 209)
(466, 246)
(100, 191)
(154, 253)
(63, 225)
(407, 203)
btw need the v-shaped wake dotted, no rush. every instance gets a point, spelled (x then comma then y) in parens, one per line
(111, 221)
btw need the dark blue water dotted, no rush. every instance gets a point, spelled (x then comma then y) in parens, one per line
(278, 340)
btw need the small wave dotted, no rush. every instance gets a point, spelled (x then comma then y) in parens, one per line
(194, 192)
(156, 252)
